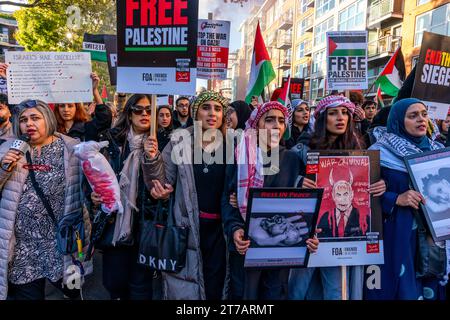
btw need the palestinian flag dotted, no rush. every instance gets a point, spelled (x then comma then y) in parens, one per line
(95, 44)
(391, 78)
(283, 98)
(261, 70)
(345, 46)
(380, 98)
(104, 94)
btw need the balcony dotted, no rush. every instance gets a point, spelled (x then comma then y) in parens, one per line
(285, 63)
(383, 11)
(284, 41)
(286, 21)
(308, 49)
(383, 47)
(309, 24)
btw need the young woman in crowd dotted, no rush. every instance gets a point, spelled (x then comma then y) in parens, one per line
(73, 119)
(333, 130)
(165, 126)
(123, 277)
(443, 128)
(406, 135)
(238, 113)
(28, 252)
(301, 128)
(197, 202)
(248, 173)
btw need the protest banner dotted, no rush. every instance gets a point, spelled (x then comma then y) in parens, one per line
(347, 60)
(157, 46)
(212, 49)
(53, 77)
(296, 87)
(432, 80)
(349, 217)
(111, 55)
(95, 45)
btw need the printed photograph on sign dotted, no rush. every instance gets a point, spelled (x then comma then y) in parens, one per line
(345, 209)
(430, 173)
(279, 221)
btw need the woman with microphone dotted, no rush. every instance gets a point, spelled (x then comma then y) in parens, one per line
(38, 190)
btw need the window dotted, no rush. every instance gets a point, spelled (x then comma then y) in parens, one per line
(421, 2)
(323, 6)
(352, 17)
(320, 31)
(319, 62)
(301, 50)
(433, 21)
(303, 5)
(317, 88)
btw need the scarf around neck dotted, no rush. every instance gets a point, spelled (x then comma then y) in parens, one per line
(128, 182)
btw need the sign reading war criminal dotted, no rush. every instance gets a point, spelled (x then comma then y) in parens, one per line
(432, 81)
(347, 60)
(350, 219)
(213, 47)
(157, 46)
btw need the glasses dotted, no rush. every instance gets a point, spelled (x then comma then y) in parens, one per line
(139, 110)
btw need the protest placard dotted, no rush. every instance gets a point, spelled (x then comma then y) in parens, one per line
(213, 47)
(53, 77)
(432, 80)
(349, 217)
(111, 55)
(157, 46)
(347, 60)
(296, 88)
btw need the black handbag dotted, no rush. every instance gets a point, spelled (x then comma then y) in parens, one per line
(69, 229)
(431, 259)
(163, 245)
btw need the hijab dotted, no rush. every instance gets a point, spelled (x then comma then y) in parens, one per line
(243, 112)
(396, 123)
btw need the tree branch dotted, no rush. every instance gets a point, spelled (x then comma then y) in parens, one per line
(18, 4)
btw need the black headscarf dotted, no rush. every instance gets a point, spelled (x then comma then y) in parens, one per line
(243, 112)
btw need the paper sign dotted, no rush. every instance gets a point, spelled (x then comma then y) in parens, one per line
(53, 77)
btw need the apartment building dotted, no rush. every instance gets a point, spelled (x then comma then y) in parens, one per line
(8, 26)
(420, 16)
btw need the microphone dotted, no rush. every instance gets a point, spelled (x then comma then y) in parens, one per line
(20, 145)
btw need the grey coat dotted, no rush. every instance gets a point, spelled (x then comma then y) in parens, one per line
(188, 283)
(11, 185)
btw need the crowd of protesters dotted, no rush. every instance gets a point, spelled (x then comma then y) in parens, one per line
(209, 198)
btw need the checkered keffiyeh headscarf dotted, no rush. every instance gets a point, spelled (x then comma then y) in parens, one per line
(208, 96)
(257, 113)
(333, 102)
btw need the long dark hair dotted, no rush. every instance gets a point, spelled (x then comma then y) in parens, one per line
(124, 124)
(321, 138)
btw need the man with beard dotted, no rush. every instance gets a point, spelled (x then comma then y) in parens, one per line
(181, 116)
(344, 220)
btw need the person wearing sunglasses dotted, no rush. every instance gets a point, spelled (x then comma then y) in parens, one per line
(74, 121)
(123, 277)
(28, 250)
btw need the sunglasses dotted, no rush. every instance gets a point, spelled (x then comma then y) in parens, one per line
(139, 110)
(28, 104)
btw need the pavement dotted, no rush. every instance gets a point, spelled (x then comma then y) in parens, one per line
(92, 289)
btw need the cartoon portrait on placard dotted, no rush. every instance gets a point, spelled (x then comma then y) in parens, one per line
(345, 209)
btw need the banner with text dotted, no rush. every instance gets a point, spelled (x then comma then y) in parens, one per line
(212, 49)
(296, 88)
(53, 77)
(347, 60)
(111, 55)
(432, 81)
(157, 46)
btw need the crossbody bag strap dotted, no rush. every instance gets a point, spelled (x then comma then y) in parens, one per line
(39, 191)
